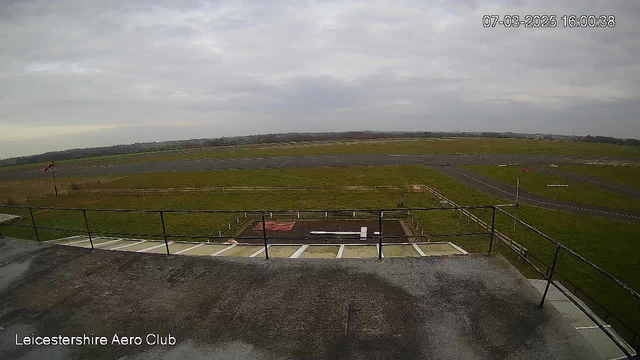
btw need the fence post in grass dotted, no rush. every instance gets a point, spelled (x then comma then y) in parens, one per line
(493, 228)
(164, 232)
(86, 224)
(379, 234)
(33, 221)
(264, 236)
(550, 279)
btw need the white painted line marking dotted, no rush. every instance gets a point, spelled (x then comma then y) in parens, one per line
(259, 252)
(223, 250)
(340, 252)
(75, 242)
(592, 327)
(106, 243)
(415, 246)
(187, 249)
(457, 248)
(378, 250)
(154, 247)
(299, 252)
(66, 238)
(127, 245)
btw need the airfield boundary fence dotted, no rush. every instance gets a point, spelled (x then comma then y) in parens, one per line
(629, 334)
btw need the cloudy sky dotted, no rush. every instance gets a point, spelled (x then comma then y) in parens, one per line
(93, 73)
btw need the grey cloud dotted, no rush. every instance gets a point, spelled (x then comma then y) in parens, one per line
(220, 68)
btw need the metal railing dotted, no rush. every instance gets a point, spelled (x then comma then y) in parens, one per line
(551, 272)
(262, 214)
(378, 214)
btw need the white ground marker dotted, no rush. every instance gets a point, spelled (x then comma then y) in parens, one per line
(154, 247)
(418, 250)
(299, 252)
(223, 250)
(187, 249)
(340, 252)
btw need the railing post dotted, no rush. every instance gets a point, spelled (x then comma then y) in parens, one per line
(379, 234)
(264, 236)
(86, 224)
(164, 232)
(493, 229)
(550, 279)
(33, 221)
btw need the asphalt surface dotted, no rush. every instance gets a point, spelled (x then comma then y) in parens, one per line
(497, 188)
(455, 307)
(601, 183)
(284, 162)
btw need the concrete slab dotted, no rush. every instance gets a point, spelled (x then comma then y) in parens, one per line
(399, 251)
(70, 240)
(320, 252)
(242, 251)
(282, 251)
(118, 244)
(456, 307)
(206, 250)
(362, 251)
(438, 249)
(602, 344)
(173, 248)
(572, 313)
(140, 246)
(97, 242)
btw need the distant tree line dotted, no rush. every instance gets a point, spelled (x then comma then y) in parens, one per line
(611, 140)
(289, 138)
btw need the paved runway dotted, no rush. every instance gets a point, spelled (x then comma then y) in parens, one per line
(497, 188)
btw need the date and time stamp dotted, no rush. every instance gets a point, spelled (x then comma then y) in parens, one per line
(549, 21)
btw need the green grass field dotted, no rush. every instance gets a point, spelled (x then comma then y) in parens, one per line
(610, 244)
(578, 192)
(623, 175)
(410, 146)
